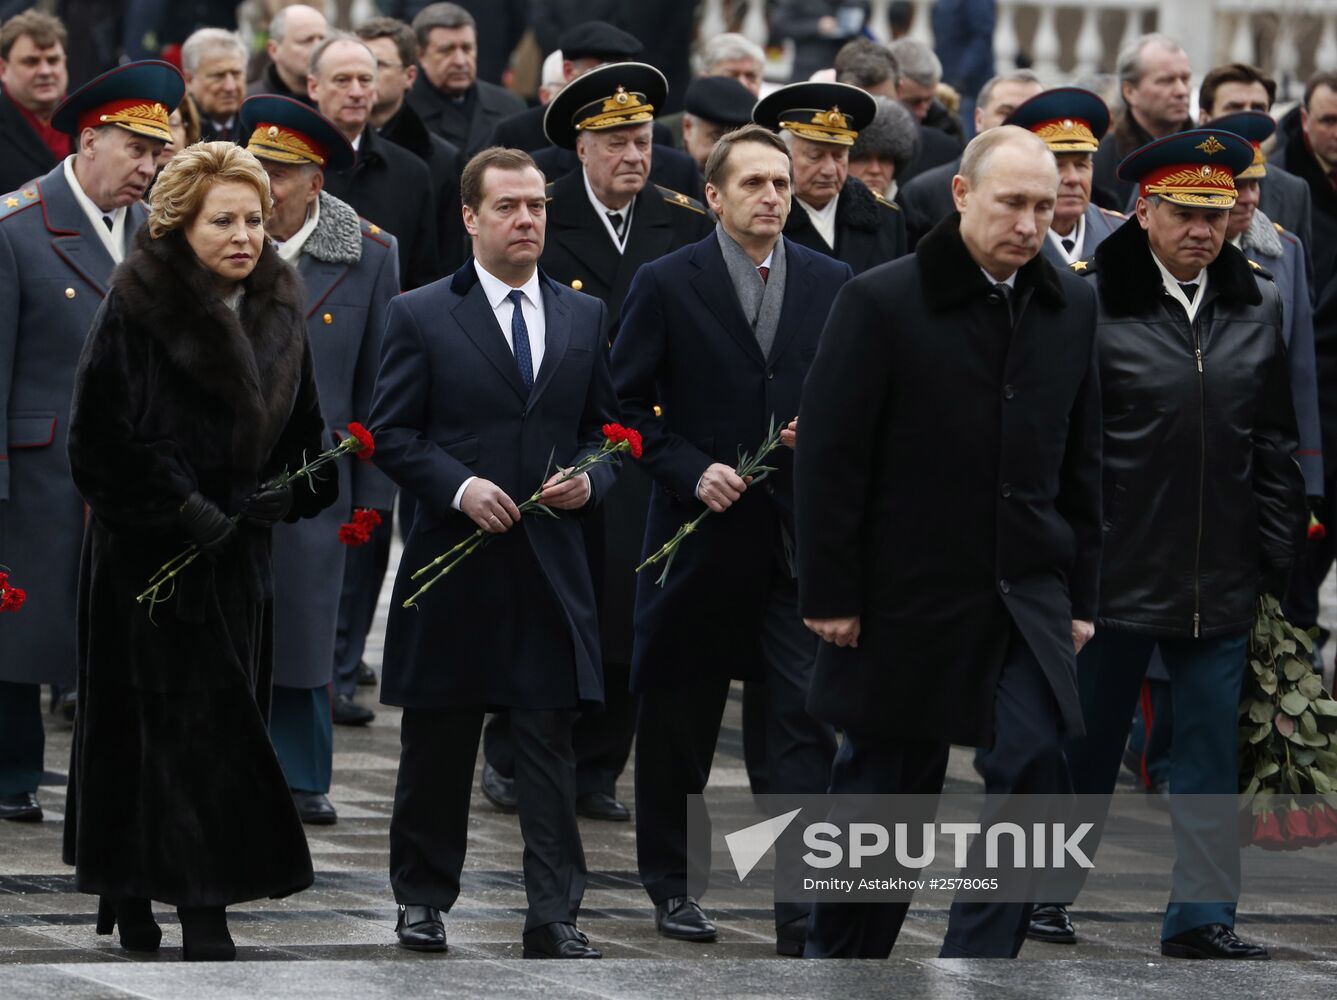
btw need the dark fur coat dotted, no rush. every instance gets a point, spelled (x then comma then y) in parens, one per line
(175, 792)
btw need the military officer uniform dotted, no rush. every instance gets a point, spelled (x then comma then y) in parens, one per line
(57, 252)
(350, 271)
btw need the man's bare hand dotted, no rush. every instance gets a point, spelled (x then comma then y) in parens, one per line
(841, 631)
(570, 495)
(488, 506)
(1081, 633)
(789, 434)
(720, 487)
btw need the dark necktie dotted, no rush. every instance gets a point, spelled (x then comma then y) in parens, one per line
(1190, 289)
(520, 340)
(106, 221)
(222, 133)
(1005, 293)
(1068, 243)
(764, 271)
(617, 219)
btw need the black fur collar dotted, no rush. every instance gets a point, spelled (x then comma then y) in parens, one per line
(951, 277)
(1130, 281)
(252, 361)
(857, 208)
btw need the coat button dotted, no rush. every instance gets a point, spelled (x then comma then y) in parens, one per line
(1007, 490)
(659, 410)
(69, 293)
(1004, 586)
(328, 319)
(770, 489)
(1008, 392)
(577, 284)
(770, 373)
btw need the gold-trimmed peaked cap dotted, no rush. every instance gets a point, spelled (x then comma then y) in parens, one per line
(138, 97)
(614, 96)
(1254, 126)
(1196, 168)
(822, 112)
(1068, 119)
(283, 130)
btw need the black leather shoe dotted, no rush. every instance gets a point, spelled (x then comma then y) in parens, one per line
(420, 928)
(366, 677)
(497, 789)
(558, 941)
(791, 937)
(1212, 941)
(1050, 923)
(601, 805)
(347, 712)
(315, 808)
(21, 808)
(681, 917)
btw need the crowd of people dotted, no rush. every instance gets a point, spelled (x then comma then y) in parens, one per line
(1050, 406)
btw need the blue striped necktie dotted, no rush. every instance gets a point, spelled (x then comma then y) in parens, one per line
(520, 340)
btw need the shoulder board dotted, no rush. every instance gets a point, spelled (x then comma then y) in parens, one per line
(1260, 270)
(1087, 266)
(1110, 211)
(17, 201)
(680, 199)
(885, 203)
(374, 232)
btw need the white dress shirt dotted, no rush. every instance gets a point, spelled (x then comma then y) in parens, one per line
(1172, 288)
(602, 210)
(823, 219)
(291, 248)
(113, 239)
(531, 308)
(1078, 237)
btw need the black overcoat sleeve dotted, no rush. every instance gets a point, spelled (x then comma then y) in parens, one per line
(1080, 494)
(601, 407)
(1278, 486)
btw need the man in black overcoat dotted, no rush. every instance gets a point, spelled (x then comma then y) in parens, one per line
(954, 591)
(715, 342)
(487, 377)
(35, 77)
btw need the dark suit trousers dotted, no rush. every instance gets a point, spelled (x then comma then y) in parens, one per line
(678, 728)
(22, 739)
(1026, 758)
(430, 825)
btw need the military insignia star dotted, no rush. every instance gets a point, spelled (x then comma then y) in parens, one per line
(1079, 265)
(11, 203)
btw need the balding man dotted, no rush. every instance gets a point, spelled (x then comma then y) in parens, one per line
(293, 32)
(959, 588)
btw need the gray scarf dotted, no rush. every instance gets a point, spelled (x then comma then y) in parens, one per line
(761, 300)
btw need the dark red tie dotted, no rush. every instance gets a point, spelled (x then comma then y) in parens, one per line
(764, 271)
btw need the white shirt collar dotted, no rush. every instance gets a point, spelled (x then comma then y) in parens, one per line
(823, 219)
(497, 290)
(767, 262)
(291, 248)
(1172, 288)
(113, 240)
(357, 143)
(601, 210)
(1010, 280)
(1078, 237)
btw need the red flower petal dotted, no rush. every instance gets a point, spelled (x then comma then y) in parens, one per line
(1267, 831)
(13, 599)
(366, 443)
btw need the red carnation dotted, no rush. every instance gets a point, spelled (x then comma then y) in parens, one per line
(352, 535)
(1298, 832)
(1321, 821)
(366, 443)
(615, 434)
(13, 599)
(1267, 831)
(358, 531)
(1316, 529)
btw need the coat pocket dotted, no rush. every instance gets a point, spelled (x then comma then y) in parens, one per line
(31, 430)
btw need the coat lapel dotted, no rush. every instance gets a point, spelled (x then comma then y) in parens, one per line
(557, 335)
(716, 289)
(650, 238)
(575, 227)
(799, 288)
(479, 323)
(72, 234)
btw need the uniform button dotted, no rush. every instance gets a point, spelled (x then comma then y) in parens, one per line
(659, 410)
(577, 284)
(1007, 490)
(328, 319)
(1004, 586)
(1008, 392)
(69, 293)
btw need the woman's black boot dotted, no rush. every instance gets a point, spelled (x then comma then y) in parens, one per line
(204, 936)
(134, 915)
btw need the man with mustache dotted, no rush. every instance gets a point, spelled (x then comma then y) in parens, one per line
(60, 237)
(35, 77)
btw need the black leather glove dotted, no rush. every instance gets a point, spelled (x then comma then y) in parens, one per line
(207, 526)
(267, 506)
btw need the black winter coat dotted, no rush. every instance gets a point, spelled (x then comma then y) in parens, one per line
(869, 229)
(175, 792)
(1203, 499)
(947, 489)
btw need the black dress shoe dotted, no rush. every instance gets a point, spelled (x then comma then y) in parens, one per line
(1049, 922)
(347, 712)
(366, 677)
(498, 789)
(601, 805)
(558, 941)
(681, 917)
(314, 808)
(1212, 941)
(21, 808)
(791, 937)
(420, 928)
(63, 705)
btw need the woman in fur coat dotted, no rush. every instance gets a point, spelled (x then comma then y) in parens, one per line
(194, 389)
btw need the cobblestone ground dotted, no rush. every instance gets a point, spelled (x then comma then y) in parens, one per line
(337, 939)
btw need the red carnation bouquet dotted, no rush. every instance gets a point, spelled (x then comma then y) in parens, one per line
(750, 467)
(359, 442)
(11, 597)
(359, 530)
(1288, 739)
(617, 439)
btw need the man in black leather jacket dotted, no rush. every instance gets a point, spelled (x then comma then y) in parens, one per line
(1203, 500)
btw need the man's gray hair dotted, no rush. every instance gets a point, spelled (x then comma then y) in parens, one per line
(206, 42)
(917, 62)
(333, 38)
(1129, 66)
(1015, 76)
(892, 133)
(865, 63)
(725, 48)
(278, 24)
(440, 15)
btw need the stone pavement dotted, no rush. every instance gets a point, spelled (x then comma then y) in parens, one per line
(337, 939)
